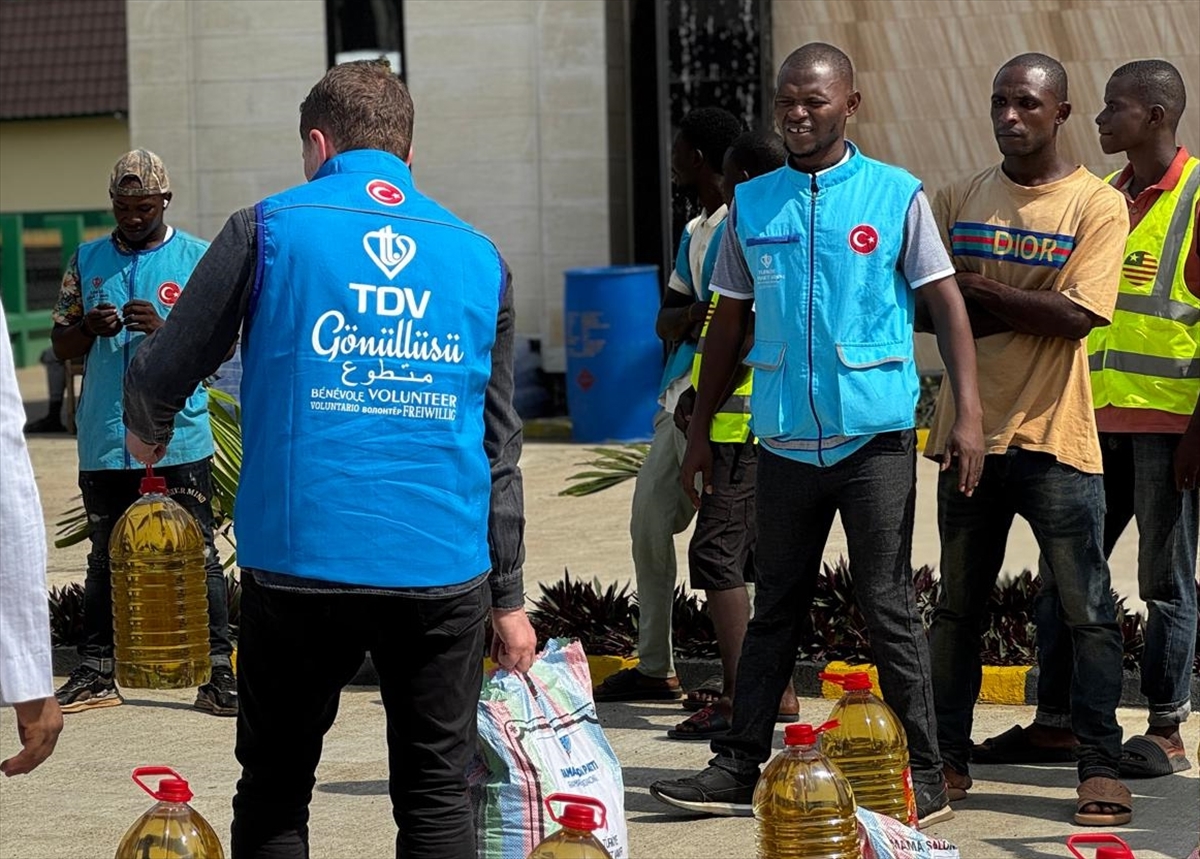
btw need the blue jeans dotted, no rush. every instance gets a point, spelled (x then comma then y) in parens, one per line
(874, 490)
(1065, 509)
(1139, 482)
(107, 495)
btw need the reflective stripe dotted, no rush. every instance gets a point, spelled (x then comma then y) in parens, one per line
(1146, 365)
(823, 443)
(1154, 305)
(1181, 219)
(735, 405)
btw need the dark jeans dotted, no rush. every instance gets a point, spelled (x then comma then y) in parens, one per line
(1065, 509)
(1139, 482)
(297, 650)
(107, 495)
(874, 490)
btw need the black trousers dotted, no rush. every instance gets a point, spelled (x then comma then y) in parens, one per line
(296, 652)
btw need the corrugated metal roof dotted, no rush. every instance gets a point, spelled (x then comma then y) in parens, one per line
(62, 58)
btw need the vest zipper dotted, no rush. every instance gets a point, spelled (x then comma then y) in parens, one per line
(125, 356)
(812, 255)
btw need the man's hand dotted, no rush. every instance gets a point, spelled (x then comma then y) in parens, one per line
(683, 410)
(141, 315)
(1187, 459)
(144, 452)
(966, 444)
(697, 459)
(514, 643)
(39, 722)
(102, 321)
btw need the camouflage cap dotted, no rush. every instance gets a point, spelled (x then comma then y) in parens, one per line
(142, 166)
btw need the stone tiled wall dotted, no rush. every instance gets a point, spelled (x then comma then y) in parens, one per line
(215, 88)
(925, 67)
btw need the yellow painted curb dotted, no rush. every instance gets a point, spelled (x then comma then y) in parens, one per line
(922, 439)
(600, 667)
(1002, 684)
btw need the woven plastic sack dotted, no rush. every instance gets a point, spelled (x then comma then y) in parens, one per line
(539, 734)
(882, 837)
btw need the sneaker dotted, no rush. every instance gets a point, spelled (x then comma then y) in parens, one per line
(713, 791)
(933, 804)
(87, 689)
(50, 423)
(219, 695)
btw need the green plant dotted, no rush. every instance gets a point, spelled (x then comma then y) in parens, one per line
(692, 630)
(610, 467)
(66, 615)
(603, 619)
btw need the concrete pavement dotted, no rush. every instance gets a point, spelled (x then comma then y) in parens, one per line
(81, 801)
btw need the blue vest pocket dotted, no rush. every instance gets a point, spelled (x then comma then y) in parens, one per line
(785, 239)
(770, 400)
(874, 386)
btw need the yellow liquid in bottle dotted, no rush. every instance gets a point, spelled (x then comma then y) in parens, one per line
(805, 809)
(570, 844)
(160, 597)
(870, 748)
(170, 830)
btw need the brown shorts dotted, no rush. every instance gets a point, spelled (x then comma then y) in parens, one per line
(721, 554)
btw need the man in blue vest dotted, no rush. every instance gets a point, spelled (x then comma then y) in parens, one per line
(380, 499)
(117, 290)
(829, 250)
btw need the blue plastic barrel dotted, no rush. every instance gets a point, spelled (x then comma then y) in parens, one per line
(614, 358)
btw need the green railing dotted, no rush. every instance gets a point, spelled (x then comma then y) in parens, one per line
(29, 329)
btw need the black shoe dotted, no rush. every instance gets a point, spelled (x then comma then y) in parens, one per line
(933, 804)
(50, 423)
(219, 695)
(713, 791)
(87, 689)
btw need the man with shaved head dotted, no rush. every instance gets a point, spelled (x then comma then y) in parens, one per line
(830, 250)
(1146, 390)
(1037, 243)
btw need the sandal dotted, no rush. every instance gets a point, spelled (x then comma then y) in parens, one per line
(705, 695)
(1099, 790)
(1150, 757)
(629, 684)
(1015, 747)
(705, 724)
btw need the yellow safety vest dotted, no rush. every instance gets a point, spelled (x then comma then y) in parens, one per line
(1149, 357)
(731, 423)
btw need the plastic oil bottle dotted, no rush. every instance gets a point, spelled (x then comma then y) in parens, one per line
(171, 829)
(870, 748)
(803, 804)
(576, 839)
(160, 597)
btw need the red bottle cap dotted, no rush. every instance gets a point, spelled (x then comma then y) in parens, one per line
(174, 789)
(1113, 847)
(805, 735)
(854, 681)
(154, 486)
(579, 813)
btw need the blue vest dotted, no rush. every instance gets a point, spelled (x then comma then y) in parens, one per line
(833, 340)
(108, 275)
(366, 358)
(681, 357)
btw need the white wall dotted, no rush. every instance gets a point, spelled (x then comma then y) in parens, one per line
(215, 88)
(512, 134)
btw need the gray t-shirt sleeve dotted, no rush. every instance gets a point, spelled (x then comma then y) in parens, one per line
(731, 276)
(923, 259)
